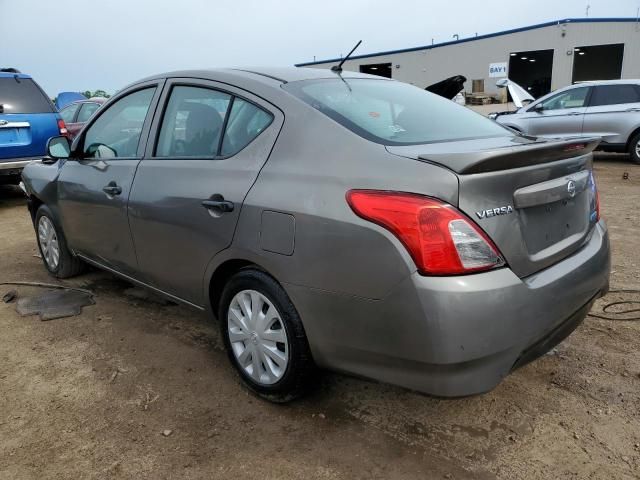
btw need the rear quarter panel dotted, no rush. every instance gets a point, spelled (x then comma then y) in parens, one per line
(314, 163)
(613, 123)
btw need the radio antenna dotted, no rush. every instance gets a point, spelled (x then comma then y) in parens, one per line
(338, 68)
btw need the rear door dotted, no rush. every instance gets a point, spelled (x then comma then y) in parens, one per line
(204, 153)
(27, 118)
(562, 115)
(613, 112)
(94, 187)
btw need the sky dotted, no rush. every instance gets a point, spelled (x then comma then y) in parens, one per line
(77, 45)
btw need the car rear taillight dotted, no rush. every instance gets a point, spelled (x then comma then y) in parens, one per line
(440, 239)
(594, 199)
(63, 128)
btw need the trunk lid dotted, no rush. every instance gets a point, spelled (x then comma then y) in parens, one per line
(27, 117)
(23, 136)
(533, 197)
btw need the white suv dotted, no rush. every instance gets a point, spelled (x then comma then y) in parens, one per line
(607, 109)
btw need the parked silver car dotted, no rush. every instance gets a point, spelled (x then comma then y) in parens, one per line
(336, 220)
(606, 109)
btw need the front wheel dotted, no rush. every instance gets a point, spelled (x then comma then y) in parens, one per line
(57, 258)
(634, 149)
(264, 336)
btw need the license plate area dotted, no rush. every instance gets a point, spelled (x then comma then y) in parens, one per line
(15, 136)
(547, 225)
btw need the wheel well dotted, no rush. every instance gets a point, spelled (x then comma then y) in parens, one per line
(631, 137)
(34, 204)
(222, 275)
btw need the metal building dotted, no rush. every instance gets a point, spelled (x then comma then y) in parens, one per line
(540, 57)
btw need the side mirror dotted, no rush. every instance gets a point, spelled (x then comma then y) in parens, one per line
(58, 147)
(538, 108)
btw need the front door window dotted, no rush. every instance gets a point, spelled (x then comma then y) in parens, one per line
(575, 98)
(116, 133)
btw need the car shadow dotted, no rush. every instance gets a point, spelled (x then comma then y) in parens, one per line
(611, 157)
(11, 196)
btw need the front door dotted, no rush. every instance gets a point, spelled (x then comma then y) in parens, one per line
(186, 198)
(94, 186)
(561, 115)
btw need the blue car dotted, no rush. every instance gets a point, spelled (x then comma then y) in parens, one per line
(28, 120)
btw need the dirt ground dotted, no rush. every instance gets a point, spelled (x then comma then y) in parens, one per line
(89, 397)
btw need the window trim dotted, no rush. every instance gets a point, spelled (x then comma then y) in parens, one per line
(77, 148)
(204, 84)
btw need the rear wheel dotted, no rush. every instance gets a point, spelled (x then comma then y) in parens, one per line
(634, 149)
(264, 336)
(57, 258)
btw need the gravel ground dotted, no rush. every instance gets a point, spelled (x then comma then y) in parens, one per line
(136, 389)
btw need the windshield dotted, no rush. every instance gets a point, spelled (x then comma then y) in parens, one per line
(393, 113)
(22, 95)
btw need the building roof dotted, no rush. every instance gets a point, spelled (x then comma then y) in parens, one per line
(479, 37)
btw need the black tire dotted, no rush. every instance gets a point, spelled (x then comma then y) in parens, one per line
(68, 265)
(634, 149)
(300, 369)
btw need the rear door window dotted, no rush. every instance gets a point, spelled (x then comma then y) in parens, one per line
(22, 95)
(615, 95)
(193, 122)
(86, 111)
(246, 122)
(68, 113)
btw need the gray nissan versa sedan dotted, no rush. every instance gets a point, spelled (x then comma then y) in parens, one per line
(343, 221)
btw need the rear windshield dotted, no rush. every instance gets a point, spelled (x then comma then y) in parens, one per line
(393, 113)
(22, 95)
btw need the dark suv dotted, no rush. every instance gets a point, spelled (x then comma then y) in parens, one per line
(27, 120)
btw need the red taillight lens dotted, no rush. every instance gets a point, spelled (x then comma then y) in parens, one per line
(440, 239)
(62, 127)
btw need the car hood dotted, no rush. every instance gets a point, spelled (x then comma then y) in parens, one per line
(65, 98)
(519, 95)
(449, 87)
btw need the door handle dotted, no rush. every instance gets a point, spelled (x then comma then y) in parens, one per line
(633, 110)
(575, 114)
(112, 189)
(219, 204)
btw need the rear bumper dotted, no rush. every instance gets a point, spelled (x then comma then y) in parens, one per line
(455, 336)
(15, 165)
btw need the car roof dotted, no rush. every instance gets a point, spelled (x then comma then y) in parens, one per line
(12, 75)
(608, 82)
(266, 74)
(98, 100)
